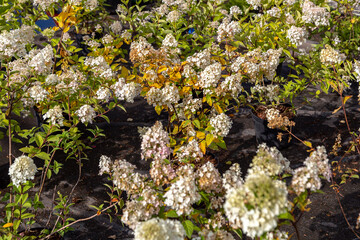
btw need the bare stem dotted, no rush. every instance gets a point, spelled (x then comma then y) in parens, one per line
(79, 220)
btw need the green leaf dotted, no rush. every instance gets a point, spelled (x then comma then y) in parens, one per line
(39, 139)
(171, 214)
(196, 123)
(189, 228)
(27, 215)
(43, 156)
(287, 216)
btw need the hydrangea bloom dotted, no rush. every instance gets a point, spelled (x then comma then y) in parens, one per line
(38, 93)
(269, 161)
(307, 177)
(86, 114)
(209, 178)
(105, 165)
(13, 42)
(232, 177)
(103, 94)
(43, 62)
(256, 204)
(191, 151)
(297, 35)
(155, 143)
(184, 192)
(159, 229)
(22, 169)
(142, 209)
(222, 124)
(55, 115)
(330, 56)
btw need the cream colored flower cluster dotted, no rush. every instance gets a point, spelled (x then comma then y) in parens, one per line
(254, 64)
(227, 30)
(159, 229)
(269, 161)
(155, 143)
(315, 14)
(13, 42)
(126, 91)
(100, 67)
(22, 169)
(55, 115)
(256, 205)
(191, 152)
(307, 177)
(86, 113)
(209, 178)
(167, 95)
(297, 35)
(221, 124)
(141, 210)
(330, 56)
(184, 192)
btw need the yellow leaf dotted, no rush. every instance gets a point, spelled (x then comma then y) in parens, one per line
(6, 225)
(336, 110)
(162, 68)
(209, 139)
(200, 135)
(124, 72)
(346, 98)
(308, 144)
(218, 108)
(203, 146)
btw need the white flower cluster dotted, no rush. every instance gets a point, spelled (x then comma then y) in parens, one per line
(256, 204)
(210, 77)
(307, 177)
(103, 94)
(43, 62)
(232, 177)
(100, 67)
(126, 179)
(330, 56)
(255, 63)
(37, 93)
(126, 91)
(86, 113)
(21, 170)
(356, 66)
(269, 161)
(191, 104)
(315, 14)
(116, 27)
(161, 172)
(173, 16)
(222, 124)
(166, 96)
(256, 4)
(13, 42)
(162, 10)
(55, 115)
(23, 71)
(141, 210)
(232, 85)
(227, 30)
(105, 165)
(274, 12)
(155, 143)
(184, 192)
(156, 229)
(209, 178)
(235, 10)
(44, 4)
(297, 35)
(191, 151)
(201, 59)
(290, 2)
(140, 50)
(52, 79)
(169, 41)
